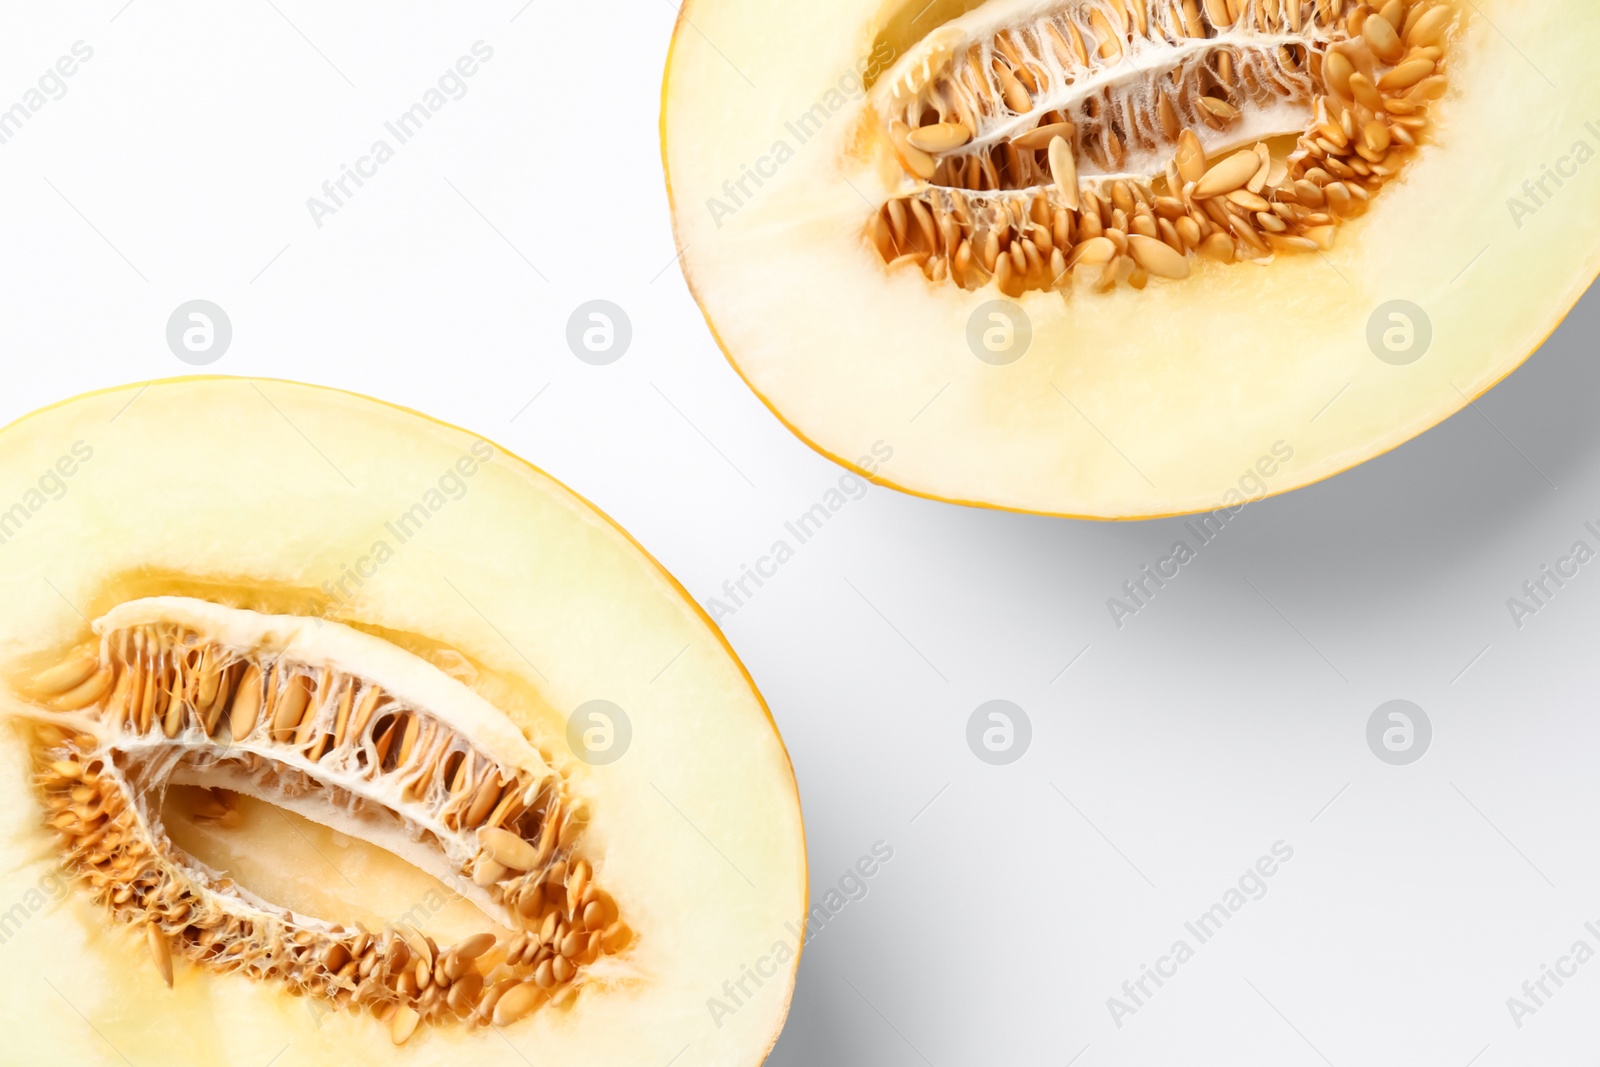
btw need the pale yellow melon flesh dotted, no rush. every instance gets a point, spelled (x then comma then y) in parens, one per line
(314, 870)
(256, 493)
(1128, 404)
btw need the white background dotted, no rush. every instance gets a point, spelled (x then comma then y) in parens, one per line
(1228, 715)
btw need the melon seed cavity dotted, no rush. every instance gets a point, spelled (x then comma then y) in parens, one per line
(161, 700)
(1119, 139)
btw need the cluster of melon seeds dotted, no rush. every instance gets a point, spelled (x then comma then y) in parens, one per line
(159, 703)
(1123, 137)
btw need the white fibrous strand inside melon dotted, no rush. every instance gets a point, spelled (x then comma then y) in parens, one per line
(1116, 139)
(343, 729)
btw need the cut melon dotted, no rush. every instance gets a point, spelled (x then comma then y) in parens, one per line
(335, 728)
(1127, 258)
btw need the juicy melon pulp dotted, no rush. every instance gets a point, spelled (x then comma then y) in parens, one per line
(348, 547)
(1241, 380)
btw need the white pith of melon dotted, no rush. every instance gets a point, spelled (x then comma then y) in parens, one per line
(202, 479)
(1128, 404)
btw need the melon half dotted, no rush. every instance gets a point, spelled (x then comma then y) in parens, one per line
(336, 734)
(1128, 258)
